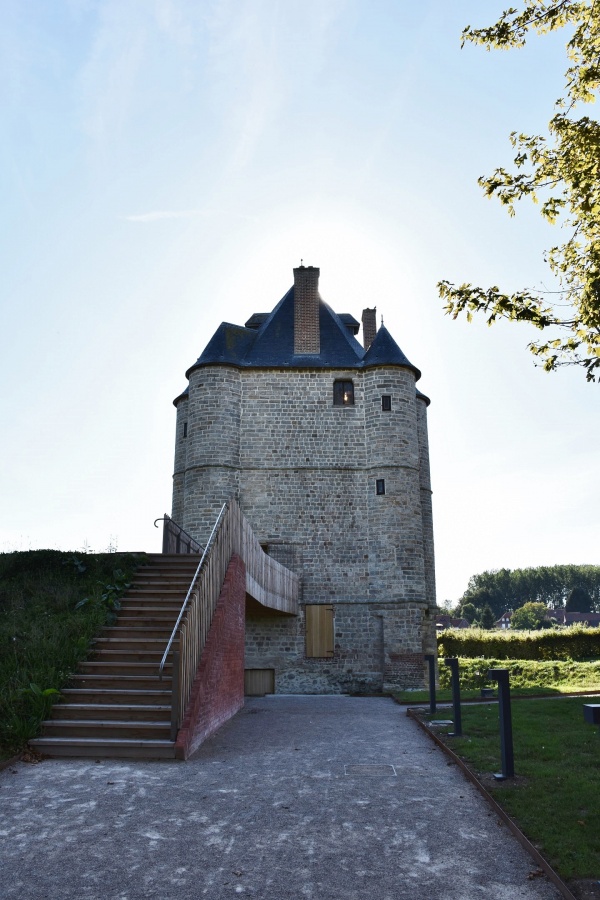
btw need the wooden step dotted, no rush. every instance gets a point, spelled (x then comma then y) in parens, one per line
(111, 711)
(158, 611)
(167, 579)
(164, 623)
(106, 728)
(115, 696)
(169, 588)
(116, 705)
(156, 645)
(141, 632)
(104, 681)
(105, 748)
(172, 560)
(160, 598)
(124, 667)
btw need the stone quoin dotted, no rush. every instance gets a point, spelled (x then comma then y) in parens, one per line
(323, 442)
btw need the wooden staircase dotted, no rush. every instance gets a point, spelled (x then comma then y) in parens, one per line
(117, 706)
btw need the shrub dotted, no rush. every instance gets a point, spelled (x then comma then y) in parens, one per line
(524, 673)
(576, 642)
(529, 616)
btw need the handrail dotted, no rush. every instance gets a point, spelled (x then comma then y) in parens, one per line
(174, 536)
(268, 581)
(190, 591)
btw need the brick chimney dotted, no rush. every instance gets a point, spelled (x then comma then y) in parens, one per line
(369, 324)
(307, 339)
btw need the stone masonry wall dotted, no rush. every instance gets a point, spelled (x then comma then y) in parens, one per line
(376, 647)
(308, 476)
(426, 505)
(305, 473)
(181, 444)
(213, 446)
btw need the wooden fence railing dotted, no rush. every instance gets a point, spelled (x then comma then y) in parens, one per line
(266, 580)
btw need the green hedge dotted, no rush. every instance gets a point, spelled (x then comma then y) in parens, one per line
(525, 673)
(575, 642)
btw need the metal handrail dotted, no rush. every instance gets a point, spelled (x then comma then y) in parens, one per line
(168, 521)
(190, 591)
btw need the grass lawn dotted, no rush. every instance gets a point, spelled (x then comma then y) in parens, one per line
(528, 678)
(554, 798)
(444, 695)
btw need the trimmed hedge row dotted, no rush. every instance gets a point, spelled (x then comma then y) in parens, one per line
(524, 673)
(575, 642)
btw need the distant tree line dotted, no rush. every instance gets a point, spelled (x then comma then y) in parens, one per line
(575, 587)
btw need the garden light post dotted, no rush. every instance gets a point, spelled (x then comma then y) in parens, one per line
(452, 662)
(506, 737)
(591, 714)
(431, 661)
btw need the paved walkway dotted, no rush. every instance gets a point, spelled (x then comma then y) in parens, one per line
(271, 808)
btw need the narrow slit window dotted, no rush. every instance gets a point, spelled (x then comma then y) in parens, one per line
(386, 402)
(343, 393)
(380, 486)
(185, 429)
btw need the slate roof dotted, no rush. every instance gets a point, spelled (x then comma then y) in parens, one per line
(267, 341)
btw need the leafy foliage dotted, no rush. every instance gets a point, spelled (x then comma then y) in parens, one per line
(529, 616)
(110, 596)
(575, 643)
(486, 618)
(579, 601)
(468, 612)
(562, 172)
(506, 589)
(43, 635)
(526, 673)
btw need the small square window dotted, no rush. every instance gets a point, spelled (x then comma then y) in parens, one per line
(343, 393)
(185, 429)
(380, 486)
(386, 402)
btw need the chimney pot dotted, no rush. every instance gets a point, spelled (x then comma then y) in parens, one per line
(369, 324)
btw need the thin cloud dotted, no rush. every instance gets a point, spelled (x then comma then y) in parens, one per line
(156, 215)
(159, 214)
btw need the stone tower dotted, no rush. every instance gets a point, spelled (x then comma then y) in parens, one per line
(324, 444)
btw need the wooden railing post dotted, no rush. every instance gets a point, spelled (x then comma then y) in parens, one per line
(175, 697)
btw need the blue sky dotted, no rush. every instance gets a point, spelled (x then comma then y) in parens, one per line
(166, 163)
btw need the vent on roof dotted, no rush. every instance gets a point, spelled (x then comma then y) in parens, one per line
(256, 320)
(350, 322)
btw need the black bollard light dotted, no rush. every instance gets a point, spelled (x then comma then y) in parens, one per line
(506, 736)
(591, 714)
(431, 660)
(452, 662)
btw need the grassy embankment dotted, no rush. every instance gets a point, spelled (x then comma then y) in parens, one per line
(527, 678)
(43, 635)
(557, 763)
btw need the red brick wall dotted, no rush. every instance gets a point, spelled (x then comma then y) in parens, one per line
(406, 670)
(218, 689)
(307, 337)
